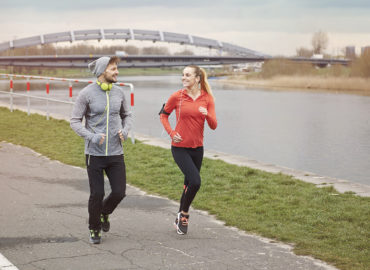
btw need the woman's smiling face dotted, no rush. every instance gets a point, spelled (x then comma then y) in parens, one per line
(189, 78)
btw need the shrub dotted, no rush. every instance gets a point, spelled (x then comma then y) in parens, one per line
(361, 66)
(278, 67)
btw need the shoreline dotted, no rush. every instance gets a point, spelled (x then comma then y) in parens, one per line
(338, 85)
(341, 185)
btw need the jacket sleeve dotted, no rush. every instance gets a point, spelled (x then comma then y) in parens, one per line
(126, 116)
(78, 112)
(211, 115)
(170, 106)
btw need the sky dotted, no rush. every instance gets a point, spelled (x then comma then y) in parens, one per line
(274, 27)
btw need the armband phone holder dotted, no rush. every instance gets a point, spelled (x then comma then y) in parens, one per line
(162, 111)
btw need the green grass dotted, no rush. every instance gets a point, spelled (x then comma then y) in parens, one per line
(317, 221)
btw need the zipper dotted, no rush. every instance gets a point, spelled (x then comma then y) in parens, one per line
(106, 134)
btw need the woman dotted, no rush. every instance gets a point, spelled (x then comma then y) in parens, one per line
(193, 104)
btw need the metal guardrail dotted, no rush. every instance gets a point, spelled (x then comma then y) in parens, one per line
(28, 96)
(47, 86)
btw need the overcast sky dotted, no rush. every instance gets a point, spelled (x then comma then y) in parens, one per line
(275, 27)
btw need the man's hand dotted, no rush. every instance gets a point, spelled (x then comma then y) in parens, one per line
(102, 139)
(121, 135)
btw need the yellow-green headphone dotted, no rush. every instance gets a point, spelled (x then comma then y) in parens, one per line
(105, 86)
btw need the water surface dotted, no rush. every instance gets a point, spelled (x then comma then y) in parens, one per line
(323, 133)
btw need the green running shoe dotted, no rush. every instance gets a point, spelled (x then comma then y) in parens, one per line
(95, 236)
(105, 224)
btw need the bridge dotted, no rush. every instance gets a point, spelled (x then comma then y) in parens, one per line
(127, 34)
(238, 54)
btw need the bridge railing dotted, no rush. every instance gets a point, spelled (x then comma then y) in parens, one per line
(47, 80)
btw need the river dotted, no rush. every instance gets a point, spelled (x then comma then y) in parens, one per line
(324, 133)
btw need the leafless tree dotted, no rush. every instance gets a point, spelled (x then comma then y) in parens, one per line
(184, 52)
(319, 42)
(155, 51)
(304, 52)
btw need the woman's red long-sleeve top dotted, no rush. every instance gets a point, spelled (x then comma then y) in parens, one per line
(189, 120)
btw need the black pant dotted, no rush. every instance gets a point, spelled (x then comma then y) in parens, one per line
(189, 161)
(114, 167)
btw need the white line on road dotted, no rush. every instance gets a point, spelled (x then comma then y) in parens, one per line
(5, 264)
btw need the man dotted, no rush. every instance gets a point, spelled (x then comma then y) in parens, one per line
(107, 123)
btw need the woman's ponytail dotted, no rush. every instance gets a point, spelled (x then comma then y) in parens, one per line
(204, 82)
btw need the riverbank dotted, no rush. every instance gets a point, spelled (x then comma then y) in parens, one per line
(318, 221)
(357, 86)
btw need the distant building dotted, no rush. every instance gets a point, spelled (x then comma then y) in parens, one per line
(248, 67)
(121, 53)
(317, 56)
(365, 50)
(350, 52)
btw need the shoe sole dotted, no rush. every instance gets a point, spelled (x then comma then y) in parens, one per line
(177, 229)
(94, 242)
(177, 226)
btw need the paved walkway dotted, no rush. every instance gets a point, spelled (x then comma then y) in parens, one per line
(43, 225)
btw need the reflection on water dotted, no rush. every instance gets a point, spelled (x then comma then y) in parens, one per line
(324, 133)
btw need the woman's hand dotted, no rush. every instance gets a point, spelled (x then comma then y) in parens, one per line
(177, 138)
(203, 110)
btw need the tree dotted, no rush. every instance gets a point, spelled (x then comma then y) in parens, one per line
(304, 52)
(184, 52)
(155, 51)
(319, 42)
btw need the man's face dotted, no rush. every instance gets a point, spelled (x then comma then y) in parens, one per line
(110, 73)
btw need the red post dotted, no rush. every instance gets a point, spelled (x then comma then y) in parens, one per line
(47, 88)
(132, 99)
(11, 83)
(28, 86)
(70, 90)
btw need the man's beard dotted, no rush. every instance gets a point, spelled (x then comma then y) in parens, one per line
(110, 80)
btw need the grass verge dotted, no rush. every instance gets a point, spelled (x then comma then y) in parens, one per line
(317, 221)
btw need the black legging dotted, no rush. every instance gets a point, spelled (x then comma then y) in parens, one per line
(189, 161)
(114, 167)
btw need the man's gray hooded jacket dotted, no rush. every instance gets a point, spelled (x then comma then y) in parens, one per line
(105, 112)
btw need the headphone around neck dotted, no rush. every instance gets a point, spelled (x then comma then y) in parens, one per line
(104, 86)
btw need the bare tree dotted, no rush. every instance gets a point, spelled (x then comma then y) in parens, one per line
(304, 52)
(155, 51)
(319, 42)
(184, 52)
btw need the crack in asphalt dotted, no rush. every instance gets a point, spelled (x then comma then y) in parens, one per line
(11, 242)
(61, 257)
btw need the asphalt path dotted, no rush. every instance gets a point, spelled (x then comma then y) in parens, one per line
(43, 225)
